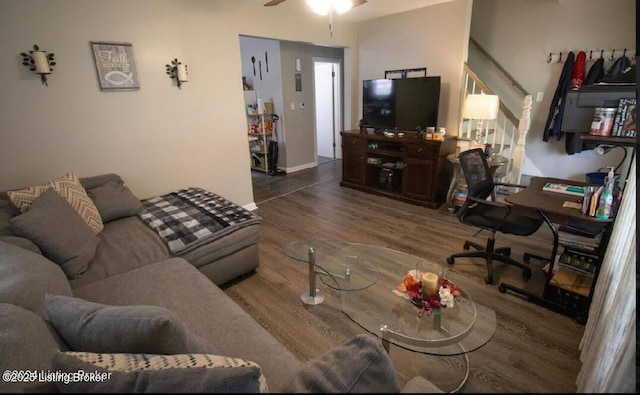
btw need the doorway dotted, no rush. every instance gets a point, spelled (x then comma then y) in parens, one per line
(328, 99)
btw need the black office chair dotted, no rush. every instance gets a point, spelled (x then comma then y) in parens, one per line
(491, 215)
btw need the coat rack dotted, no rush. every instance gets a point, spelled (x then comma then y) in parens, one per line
(592, 55)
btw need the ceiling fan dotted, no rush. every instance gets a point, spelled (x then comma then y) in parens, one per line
(355, 3)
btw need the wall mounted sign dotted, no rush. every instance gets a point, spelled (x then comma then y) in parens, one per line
(406, 73)
(115, 66)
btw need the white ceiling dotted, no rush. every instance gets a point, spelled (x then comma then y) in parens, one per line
(378, 8)
(370, 10)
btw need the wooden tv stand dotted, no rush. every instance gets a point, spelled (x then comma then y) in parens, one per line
(410, 169)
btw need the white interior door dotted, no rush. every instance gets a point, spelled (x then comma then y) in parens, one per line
(327, 107)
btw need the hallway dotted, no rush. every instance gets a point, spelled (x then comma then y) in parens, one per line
(266, 187)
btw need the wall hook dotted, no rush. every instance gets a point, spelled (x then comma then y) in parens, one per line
(602, 54)
(590, 55)
(549, 60)
(624, 53)
(613, 51)
(560, 57)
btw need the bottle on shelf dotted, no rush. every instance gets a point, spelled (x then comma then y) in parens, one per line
(606, 199)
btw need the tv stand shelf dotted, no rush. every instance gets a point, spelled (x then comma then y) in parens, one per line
(408, 168)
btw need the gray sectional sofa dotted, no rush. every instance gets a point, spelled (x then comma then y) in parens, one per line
(132, 315)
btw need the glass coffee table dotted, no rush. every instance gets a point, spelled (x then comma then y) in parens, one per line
(339, 265)
(367, 276)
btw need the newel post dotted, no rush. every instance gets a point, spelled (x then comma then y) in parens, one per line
(523, 129)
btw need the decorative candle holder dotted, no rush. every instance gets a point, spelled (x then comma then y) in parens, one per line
(178, 71)
(40, 62)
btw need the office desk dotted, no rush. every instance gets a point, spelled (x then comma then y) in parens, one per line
(536, 202)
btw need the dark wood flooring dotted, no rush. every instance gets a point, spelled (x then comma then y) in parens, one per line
(533, 349)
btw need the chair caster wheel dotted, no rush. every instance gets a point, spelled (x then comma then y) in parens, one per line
(466, 245)
(526, 257)
(488, 279)
(450, 260)
(526, 273)
(502, 289)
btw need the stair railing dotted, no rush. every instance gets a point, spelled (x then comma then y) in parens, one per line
(506, 134)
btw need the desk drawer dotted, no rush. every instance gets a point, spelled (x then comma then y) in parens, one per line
(422, 151)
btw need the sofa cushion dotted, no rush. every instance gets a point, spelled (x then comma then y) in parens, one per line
(70, 188)
(203, 307)
(57, 229)
(420, 385)
(125, 244)
(22, 243)
(359, 365)
(8, 210)
(95, 327)
(114, 200)
(99, 180)
(26, 277)
(26, 343)
(195, 373)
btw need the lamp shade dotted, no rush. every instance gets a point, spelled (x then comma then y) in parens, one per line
(481, 107)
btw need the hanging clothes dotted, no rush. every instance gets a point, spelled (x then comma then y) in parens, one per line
(577, 71)
(596, 73)
(614, 71)
(554, 120)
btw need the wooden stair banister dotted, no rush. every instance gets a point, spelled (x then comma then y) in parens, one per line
(507, 134)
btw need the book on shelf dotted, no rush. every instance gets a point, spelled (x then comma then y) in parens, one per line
(583, 228)
(578, 263)
(624, 124)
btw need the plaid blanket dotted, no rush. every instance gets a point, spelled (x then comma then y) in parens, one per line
(192, 217)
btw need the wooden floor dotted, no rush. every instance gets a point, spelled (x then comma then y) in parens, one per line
(533, 350)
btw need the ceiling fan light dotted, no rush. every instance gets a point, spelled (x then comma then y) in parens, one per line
(342, 6)
(320, 7)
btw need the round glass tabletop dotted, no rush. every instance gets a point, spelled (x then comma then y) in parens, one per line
(368, 297)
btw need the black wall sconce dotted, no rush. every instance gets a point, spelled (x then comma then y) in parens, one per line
(39, 61)
(178, 71)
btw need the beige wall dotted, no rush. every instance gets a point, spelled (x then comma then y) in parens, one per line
(520, 34)
(158, 138)
(435, 37)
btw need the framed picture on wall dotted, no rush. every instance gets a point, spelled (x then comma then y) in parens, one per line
(115, 66)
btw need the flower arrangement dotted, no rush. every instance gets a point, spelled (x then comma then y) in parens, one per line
(445, 292)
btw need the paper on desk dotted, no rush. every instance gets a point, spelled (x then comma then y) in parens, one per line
(572, 205)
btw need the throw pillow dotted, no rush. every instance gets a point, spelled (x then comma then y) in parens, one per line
(57, 229)
(69, 187)
(359, 365)
(190, 373)
(26, 342)
(114, 200)
(26, 277)
(95, 327)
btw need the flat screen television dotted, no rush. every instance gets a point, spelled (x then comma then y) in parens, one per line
(402, 104)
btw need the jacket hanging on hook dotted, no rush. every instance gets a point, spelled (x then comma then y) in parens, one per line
(554, 120)
(616, 69)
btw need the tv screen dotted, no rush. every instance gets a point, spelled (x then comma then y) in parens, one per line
(379, 104)
(404, 104)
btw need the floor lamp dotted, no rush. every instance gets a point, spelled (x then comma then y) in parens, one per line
(481, 108)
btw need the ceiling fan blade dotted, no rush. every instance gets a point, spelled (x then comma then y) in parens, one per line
(358, 2)
(274, 2)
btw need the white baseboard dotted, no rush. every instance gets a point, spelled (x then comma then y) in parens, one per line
(251, 206)
(301, 167)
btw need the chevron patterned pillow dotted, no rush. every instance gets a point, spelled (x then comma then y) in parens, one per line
(185, 373)
(67, 186)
